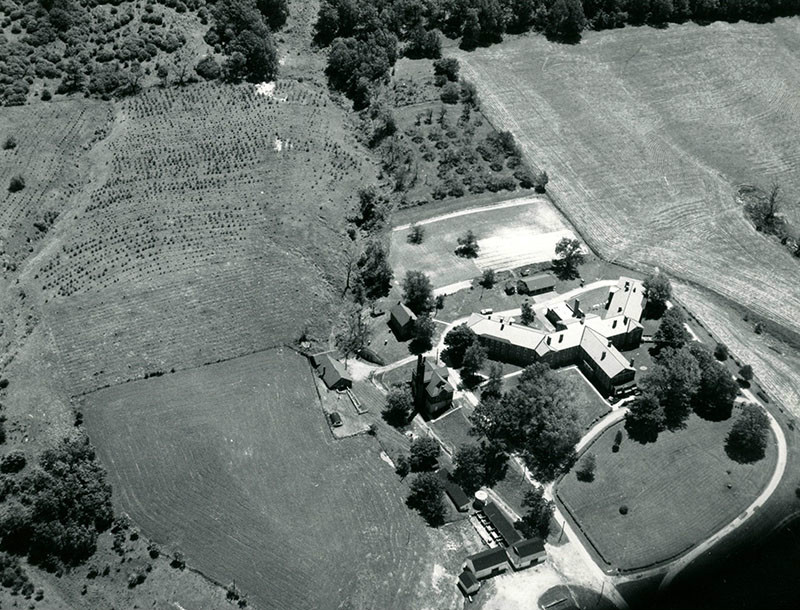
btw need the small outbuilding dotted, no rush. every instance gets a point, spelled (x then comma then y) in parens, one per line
(526, 553)
(501, 523)
(536, 284)
(488, 563)
(401, 321)
(468, 584)
(453, 490)
(332, 372)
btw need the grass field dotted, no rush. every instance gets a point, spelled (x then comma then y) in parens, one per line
(508, 237)
(676, 490)
(589, 404)
(215, 212)
(645, 134)
(234, 464)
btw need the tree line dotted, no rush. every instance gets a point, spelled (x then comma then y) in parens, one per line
(367, 36)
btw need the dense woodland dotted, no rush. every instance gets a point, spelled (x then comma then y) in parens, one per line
(110, 48)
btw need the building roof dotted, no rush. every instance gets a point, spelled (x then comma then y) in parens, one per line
(331, 370)
(467, 579)
(529, 548)
(605, 355)
(402, 314)
(453, 489)
(539, 282)
(496, 328)
(626, 298)
(488, 559)
(501, 523)
(435, 380)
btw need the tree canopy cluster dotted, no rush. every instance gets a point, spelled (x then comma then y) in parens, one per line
(53, 512)
(105, 50)
(747, 440)
(537, 420)
(685, 379)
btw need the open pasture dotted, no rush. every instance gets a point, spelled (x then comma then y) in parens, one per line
(511, 234)
(220, 210)
(234, 465)
(51, 141)
(676, 491)
(645, 134)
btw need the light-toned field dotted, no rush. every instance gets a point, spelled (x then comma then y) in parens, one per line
(511, 234)
(234, 464)
(676, 490)
(216, 212)
(645, 134)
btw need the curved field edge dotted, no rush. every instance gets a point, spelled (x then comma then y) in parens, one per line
(234, 464)
(640, 180)
(669, 513)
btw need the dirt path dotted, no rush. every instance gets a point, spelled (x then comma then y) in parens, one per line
(530, 200)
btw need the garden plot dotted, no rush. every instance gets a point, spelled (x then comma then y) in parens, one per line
(511, 234)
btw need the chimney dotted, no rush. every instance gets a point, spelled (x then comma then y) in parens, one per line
(602, 356)
(631, 362)
(625, 319)
(609, 343)
(560, 338)
(502, 325)
(548, 340)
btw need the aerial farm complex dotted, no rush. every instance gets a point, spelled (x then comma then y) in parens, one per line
(399, 304)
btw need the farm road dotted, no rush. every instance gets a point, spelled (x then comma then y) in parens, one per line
(476, 210)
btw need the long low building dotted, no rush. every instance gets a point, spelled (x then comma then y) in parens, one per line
(588, 340)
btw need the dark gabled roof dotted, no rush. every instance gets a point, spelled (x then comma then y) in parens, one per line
(501, 523)
(529, 547)
(467, 579)
(435, 380)
(538, 282)
(453, 489)
(488, 559)
(331, 370)
(402, 314)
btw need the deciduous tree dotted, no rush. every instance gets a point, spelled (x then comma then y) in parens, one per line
(417, 292)
(424, 454)
(427, 497)
(399, 406)
(569, 255)
(457, 341)
(536, 521)
(671, 332)
(747, 440)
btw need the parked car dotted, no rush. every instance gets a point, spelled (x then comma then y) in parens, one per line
(336, 419)
(487, 311)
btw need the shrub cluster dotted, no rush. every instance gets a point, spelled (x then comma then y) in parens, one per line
(54, 512)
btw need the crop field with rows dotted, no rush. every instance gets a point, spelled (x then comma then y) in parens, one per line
(218, 229)
(646, 134)
(234, 465)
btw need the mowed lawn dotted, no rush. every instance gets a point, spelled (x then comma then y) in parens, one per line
(646, 134)
(676, 491)
(589, 404)
(508, 237)
(234, 465)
